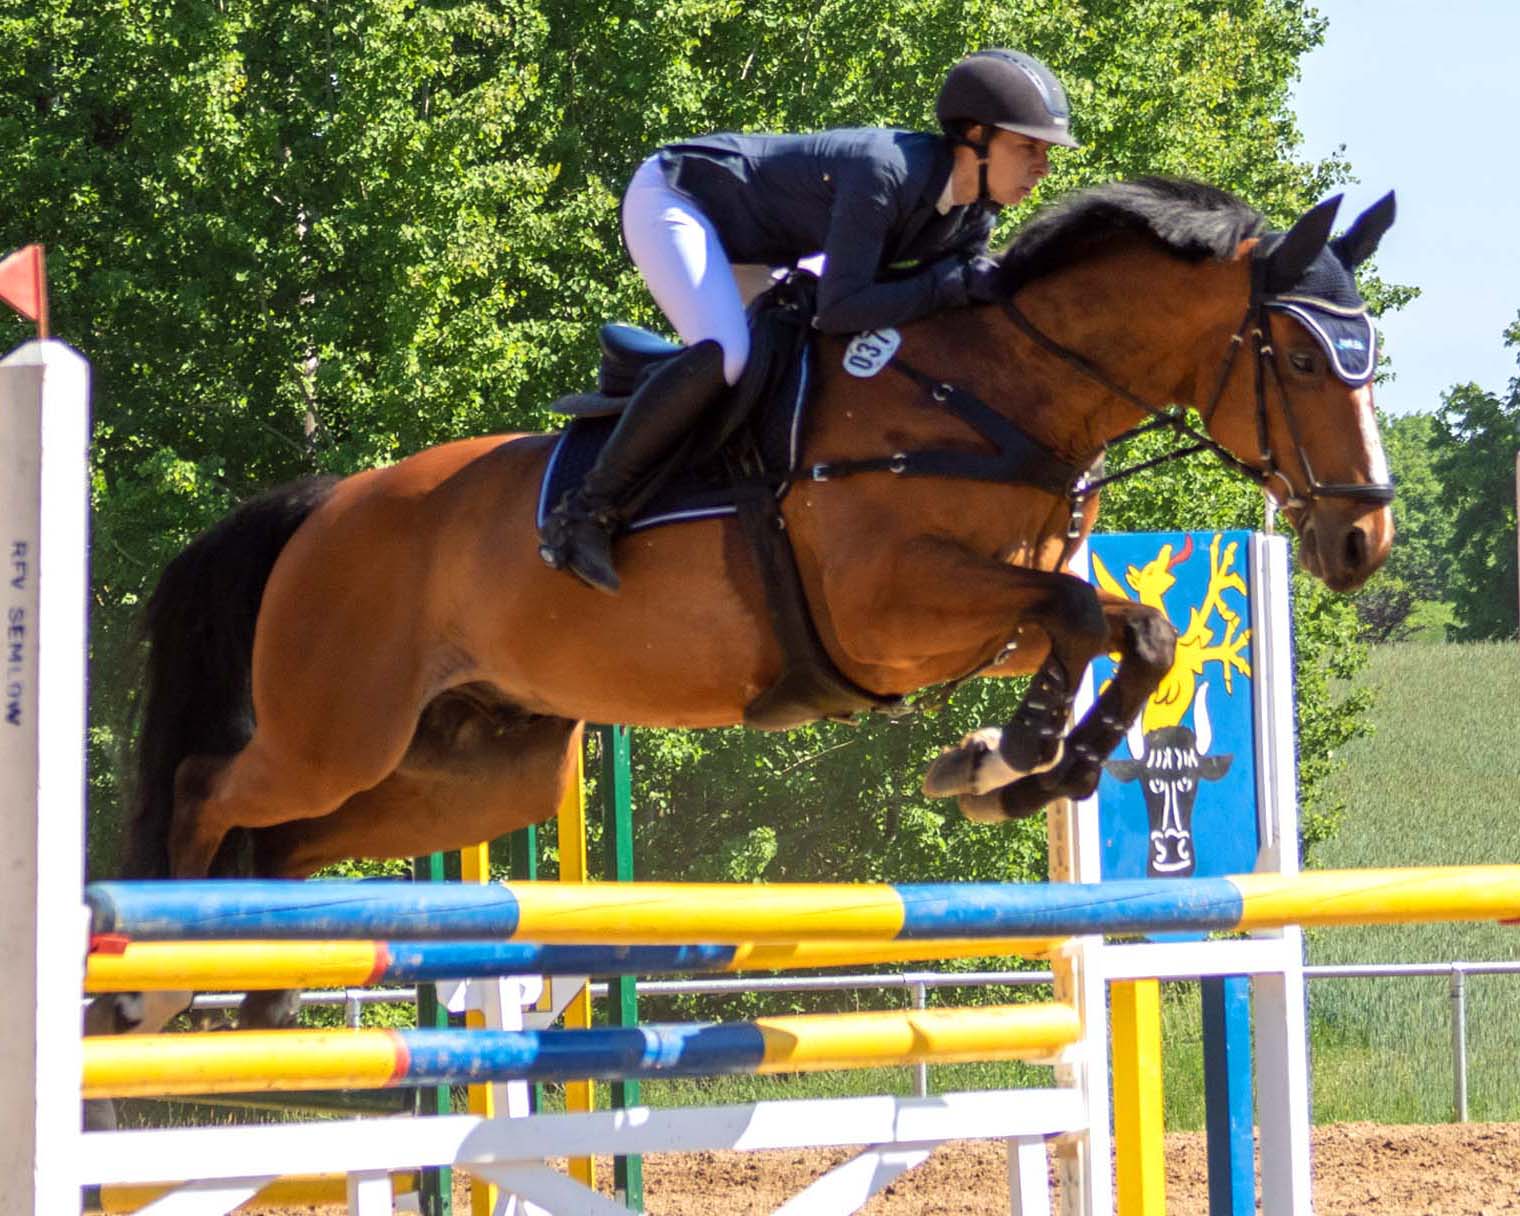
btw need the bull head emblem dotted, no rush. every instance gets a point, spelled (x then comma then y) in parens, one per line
(1170, 763)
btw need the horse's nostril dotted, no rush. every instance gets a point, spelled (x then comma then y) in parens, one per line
(1356, 549)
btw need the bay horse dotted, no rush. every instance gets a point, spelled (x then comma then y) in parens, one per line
(382, 666)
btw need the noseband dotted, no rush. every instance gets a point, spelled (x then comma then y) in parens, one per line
(1254, 324)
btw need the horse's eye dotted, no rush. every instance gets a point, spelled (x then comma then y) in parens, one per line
(1302, 361)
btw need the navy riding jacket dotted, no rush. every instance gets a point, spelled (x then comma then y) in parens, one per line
(867, 198)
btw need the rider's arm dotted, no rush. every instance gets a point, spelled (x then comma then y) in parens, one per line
(851, 295)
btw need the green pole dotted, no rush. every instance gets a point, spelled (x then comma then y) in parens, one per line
(622, 991)
(436, 1186)
(523, 850)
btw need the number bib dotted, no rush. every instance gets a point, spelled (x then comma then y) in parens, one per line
(871, 351)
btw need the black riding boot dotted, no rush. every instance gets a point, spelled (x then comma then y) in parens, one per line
(665, 406)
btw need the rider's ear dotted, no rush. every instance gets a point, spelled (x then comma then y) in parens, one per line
(1356, 244)
(1288, 261)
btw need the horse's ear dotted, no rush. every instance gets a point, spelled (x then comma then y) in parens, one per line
(1288, 261)
(1356, 244)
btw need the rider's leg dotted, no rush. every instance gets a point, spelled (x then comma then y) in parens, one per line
(675, 246)
(578, 533)
(682, 259)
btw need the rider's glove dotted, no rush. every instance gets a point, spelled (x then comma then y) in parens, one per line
(982, 276)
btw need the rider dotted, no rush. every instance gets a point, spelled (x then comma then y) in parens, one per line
(902, 219)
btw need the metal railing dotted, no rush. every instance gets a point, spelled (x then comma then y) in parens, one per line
(918, 983)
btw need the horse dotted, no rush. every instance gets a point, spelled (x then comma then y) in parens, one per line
(382, 666)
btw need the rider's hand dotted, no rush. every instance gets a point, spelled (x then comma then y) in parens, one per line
(982, 277)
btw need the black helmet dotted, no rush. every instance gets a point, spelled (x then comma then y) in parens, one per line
(1006, 89)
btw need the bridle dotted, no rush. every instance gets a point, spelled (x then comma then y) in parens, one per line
(1255, 325)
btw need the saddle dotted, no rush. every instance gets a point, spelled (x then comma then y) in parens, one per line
(757, 424)
(738, 461)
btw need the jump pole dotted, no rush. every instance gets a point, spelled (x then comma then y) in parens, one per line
(44, 546)
(659, 913)
(243, 966)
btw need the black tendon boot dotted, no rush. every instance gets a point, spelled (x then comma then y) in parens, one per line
(665, 406)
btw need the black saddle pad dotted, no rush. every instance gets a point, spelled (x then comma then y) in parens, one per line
(699, 491)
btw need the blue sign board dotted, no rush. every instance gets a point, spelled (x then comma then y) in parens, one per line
(1177, 799)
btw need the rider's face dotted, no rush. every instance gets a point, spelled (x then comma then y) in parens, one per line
(1015, 165)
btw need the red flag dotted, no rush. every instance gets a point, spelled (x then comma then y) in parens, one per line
(23, 285)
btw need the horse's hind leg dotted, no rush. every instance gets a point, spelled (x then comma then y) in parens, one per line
(437, 800)
(322, 736)
(1146, 643)
(268, 782)
(440, 798)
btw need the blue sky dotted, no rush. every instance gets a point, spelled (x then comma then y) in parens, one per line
(1426, 97)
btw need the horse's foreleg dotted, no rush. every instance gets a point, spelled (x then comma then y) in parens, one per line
(1146, 643)
(1069, 614)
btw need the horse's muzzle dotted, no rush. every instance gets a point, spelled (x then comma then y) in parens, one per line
(1343, 544)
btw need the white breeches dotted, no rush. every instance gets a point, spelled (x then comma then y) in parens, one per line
(681, 257)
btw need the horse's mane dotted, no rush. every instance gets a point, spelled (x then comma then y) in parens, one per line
(1189, 220)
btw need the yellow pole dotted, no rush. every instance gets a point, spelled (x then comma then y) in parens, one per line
(1139, 1152)
(326, 1189)
(475, 866)
(571, 817)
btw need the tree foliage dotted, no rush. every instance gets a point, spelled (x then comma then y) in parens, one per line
(308, 236)
(1418, 570)
(1475, 439)
(1455, 516)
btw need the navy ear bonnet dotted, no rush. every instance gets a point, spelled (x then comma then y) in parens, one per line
(1325, 301)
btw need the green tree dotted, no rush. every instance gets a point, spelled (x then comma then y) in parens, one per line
(1419, 569)
(1476, 437)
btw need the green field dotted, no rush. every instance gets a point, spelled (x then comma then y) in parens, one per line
(1438, 783)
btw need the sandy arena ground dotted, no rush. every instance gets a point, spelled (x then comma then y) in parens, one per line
(1360, 1169)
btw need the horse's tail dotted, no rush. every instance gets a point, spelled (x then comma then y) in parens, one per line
(197, 631)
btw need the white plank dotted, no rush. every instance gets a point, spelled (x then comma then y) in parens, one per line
(550, 1190)
(848, 1187)
(1028, 1177)
(1192, 960)
(215, 1198)
(332, 1146)
(1282, 1090)
(369, 1193)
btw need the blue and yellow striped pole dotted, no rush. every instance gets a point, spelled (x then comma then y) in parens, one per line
(680, 913)
(294, 1060)
(242, 966)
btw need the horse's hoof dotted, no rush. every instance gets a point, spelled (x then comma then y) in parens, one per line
(1026, 752)
(971, 767)
(100, 1115)
(271, 1010)
(1025, 798)
(983, 808)
(1076, 778)
(114, 1013)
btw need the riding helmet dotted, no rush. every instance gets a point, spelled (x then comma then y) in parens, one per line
(1006, 89)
